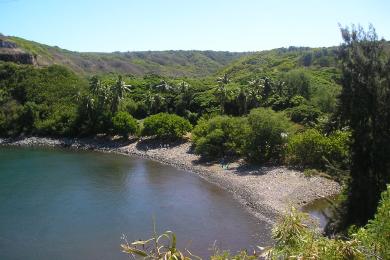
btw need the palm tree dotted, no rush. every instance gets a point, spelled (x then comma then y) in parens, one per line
(149, 101)
(268, 88)
(99, 94)
(224, 79)
(117, 92)
(280, 88)
(255, 91)
(183, 87)
(94, 85)
(183, 97)
(242, 100)
(154, 102)
(221, 92)
(163, 86)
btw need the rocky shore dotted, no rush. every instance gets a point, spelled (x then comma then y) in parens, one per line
(266, 192)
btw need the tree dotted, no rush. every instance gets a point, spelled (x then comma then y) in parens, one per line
(124, 124)
(166, 126)
(298, 83)
(255, 87)
(266, 137)
(242, 100)
(183, 98)
(267, 89)
(219, 136)
(365, 107)
(117, 92)
(221, 92)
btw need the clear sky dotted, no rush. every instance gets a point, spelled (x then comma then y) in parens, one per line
(233, 25)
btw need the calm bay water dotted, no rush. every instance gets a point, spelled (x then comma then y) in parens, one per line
(61, 204)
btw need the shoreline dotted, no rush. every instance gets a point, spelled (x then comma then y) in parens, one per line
(265, 192)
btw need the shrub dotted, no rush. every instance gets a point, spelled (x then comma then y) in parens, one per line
(60, 122)
(128, 105)
(297, 101)
(219, 136)
(304, 114)
(312, 149)
(167, 126)
(124, 124)
(294, 239)
(298, 82)
(266, 136)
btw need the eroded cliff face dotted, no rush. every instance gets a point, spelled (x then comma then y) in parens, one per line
(9, 51)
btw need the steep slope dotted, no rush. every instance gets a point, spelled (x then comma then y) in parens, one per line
(167, 63)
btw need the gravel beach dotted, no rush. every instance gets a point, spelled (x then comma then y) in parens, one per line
(266, 192)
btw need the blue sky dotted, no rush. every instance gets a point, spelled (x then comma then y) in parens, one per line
(233, 25)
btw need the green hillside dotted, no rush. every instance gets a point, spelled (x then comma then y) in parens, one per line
(167, 63)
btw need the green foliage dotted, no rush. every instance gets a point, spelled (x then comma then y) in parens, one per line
(124, 124)
(260, 137)
(60, 122)
(304, 114)
(167, 126)
(266, 136)
(313, 149)
(219, 136)
(298, 83)
(130, 106)
(294, 239)
(38, 100)
(376, 234)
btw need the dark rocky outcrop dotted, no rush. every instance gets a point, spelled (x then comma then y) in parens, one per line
(9, 51)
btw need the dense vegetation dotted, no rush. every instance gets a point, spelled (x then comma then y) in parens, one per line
(39, 101)
(325, 109)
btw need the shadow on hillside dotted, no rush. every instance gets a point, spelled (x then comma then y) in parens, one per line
(246, 169)
(101, 142)
(155, 143)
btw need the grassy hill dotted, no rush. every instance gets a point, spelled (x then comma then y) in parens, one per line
(166, 63)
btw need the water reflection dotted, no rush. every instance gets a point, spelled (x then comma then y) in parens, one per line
(321, 210)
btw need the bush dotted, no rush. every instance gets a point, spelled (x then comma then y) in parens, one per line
(124, 124)
(304, 114)
(266, 136)
(296, 240)
(219, 136)
(312, 149)
(60, 122)
(167, 126)
(298, 82)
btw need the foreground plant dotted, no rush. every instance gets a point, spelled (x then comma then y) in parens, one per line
(294, 239)
(158, 247)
